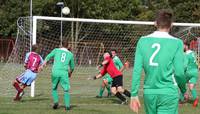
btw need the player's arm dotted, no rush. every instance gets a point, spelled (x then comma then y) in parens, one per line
(48, 57)
(71, 65)
(179, 68)
(97, 76)
(102, 73)
(137, 70)
(101, 65)
(105, 61)
(41, 62)
(103, 70)
(122, 68)
(136, 77)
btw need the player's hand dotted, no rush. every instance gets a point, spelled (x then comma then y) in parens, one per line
(44, 64)
(135, 104)
(40, 68)
(91, 78)
(126, 64)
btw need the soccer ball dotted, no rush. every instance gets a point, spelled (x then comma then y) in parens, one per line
(66, 10)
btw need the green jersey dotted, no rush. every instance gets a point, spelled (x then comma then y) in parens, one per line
(191, 67)
(63, 59)
(161, 57)
(117, 62)
(191, 60)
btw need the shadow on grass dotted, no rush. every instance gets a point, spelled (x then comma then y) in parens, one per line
(115, 101)
(71, 106)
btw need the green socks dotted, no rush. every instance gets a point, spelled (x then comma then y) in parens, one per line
(67, 99)
(108, 89)
(194, 93)
(55, 96)
(181, 97)
(101, 92)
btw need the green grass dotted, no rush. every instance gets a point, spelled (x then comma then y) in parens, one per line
(82, 91)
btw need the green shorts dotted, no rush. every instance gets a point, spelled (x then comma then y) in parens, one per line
(60, 77)
(108, 78)
(161, 104)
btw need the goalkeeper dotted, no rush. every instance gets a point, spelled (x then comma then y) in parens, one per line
(63, 59)
(191, 73)
(117, 83)
(107, 80)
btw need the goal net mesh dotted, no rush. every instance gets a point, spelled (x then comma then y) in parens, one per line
(88, 41)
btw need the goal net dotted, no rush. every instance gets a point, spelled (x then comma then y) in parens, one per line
(89, 38)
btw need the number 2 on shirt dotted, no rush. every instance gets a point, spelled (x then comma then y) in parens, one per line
(151, 62)
(63, 56)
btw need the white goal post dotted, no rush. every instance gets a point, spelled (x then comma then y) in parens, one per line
(35, 18)
(121, 22)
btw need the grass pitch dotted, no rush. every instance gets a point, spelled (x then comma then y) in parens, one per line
(82, 91)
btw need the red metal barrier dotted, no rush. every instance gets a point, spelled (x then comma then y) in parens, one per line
(6, 46)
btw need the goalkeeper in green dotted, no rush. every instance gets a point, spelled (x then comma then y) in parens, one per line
(161, 57)
(191, 73)
(107, 80)
(63, 60)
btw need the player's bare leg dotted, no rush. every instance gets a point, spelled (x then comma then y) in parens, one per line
(193, 91)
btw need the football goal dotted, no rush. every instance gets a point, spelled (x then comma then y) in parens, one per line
(89, 38)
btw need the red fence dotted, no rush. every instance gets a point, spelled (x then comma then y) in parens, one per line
(6, 46)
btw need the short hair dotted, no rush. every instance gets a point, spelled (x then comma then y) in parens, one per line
(114, 50)
(164, 19)
(65, 43)
(108, 53)
(35, 48)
